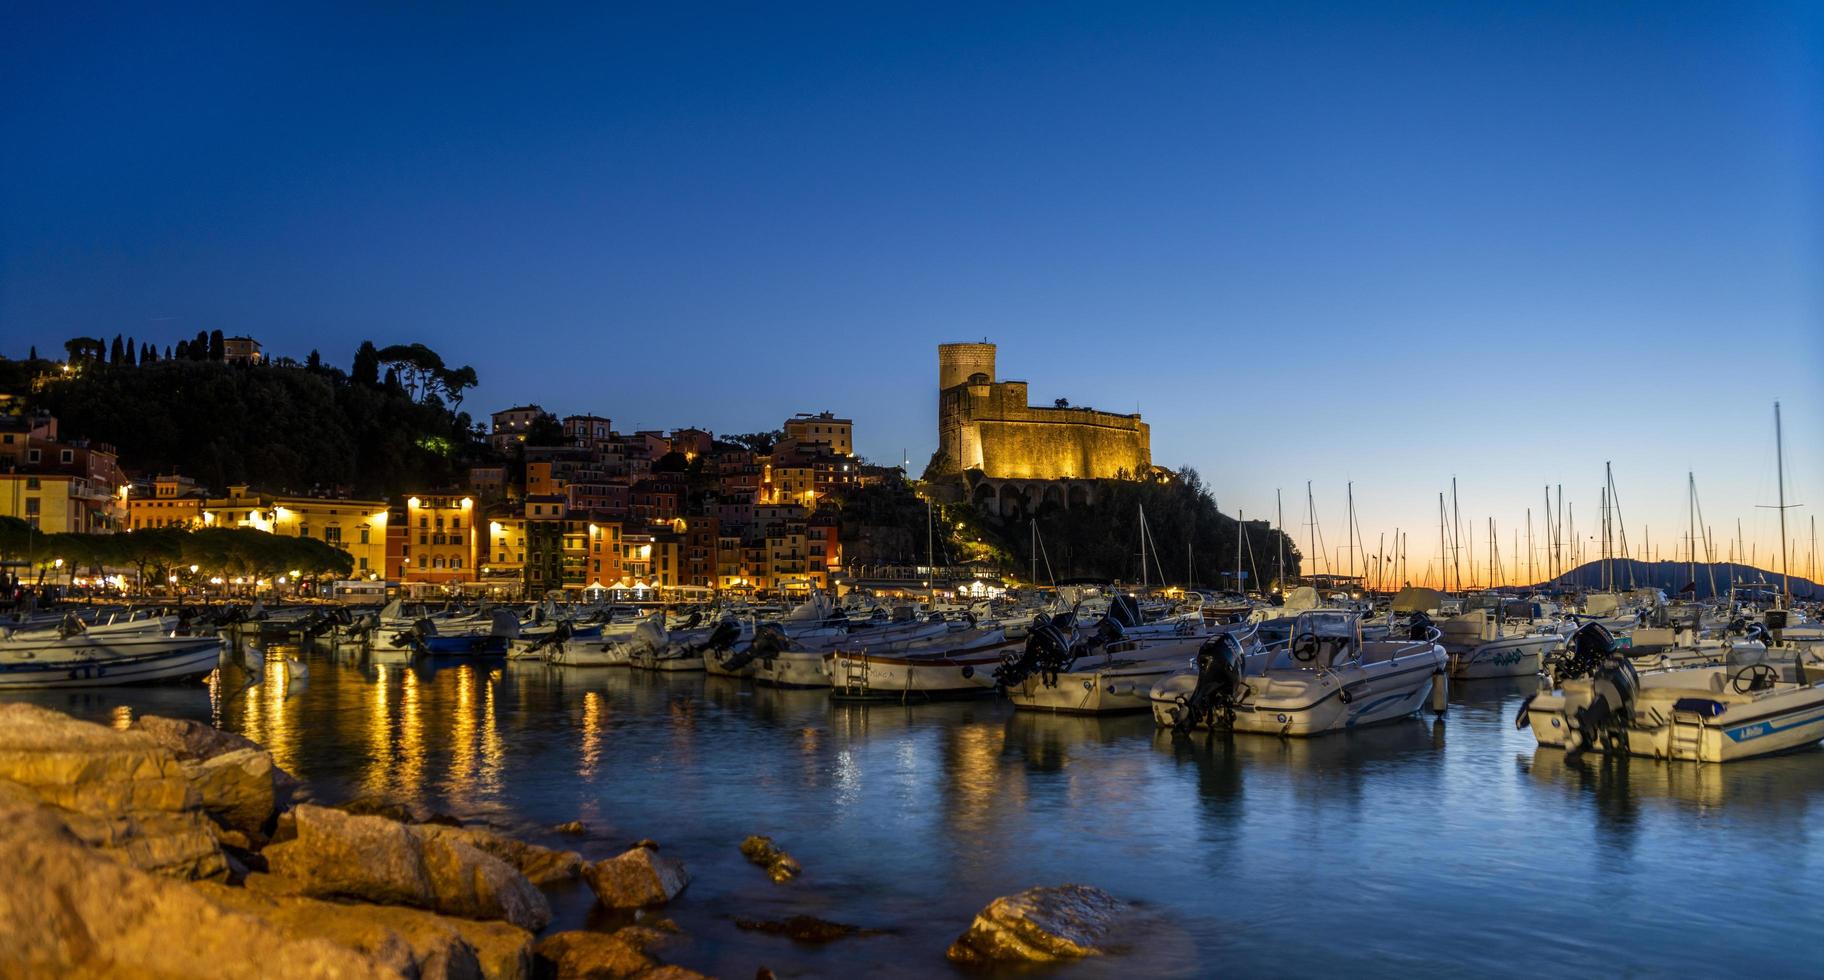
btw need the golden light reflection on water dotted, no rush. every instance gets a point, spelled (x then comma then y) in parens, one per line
(462, 736)
(493, 750)
(977, 782)
(410, 752)
(379, 733)
(592, 734)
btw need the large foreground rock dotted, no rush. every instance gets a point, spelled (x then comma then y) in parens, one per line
(117, 790)
(1040, 925)
(584, 955)
(636, 879)
(196, 742)
(338, 855)
(411, 941)
(67, 910)
(540, 865)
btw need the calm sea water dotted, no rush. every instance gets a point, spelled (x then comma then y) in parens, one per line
(1429, 848)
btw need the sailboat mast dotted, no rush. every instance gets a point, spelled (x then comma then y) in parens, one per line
(1443, 556)
(1280, 506)
(1456, 536)
(1311, 513)
(1779, 451)
(1350, 532)
(930, 552)
(1240, 532)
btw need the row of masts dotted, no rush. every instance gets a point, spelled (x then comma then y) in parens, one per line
(1556, 556)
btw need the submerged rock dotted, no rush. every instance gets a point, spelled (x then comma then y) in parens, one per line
(636, 879)
(1040, 925)
(335, 854)
(573, 827)
(779, 865)
(117, 790)
(805, 928)
(68, 910)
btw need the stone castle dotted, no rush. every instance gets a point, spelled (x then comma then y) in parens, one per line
(999, 443)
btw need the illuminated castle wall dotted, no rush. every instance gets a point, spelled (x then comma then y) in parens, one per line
(986, 425)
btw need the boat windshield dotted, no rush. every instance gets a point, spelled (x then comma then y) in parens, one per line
(1338, 640)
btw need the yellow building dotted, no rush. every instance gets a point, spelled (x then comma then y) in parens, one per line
(175, 501)
(53, 503)
(504, 554)
(806, 430)
(441, 540)
(355, 526)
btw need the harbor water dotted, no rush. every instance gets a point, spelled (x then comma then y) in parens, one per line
(1432, 847)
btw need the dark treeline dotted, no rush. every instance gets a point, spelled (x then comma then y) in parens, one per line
(392, 426)
(157, 553)
(1102, 539)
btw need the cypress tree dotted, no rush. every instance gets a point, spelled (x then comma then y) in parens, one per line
(115, 354)
(367, 364)
(215, 345)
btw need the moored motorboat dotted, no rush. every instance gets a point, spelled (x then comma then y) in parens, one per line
(80, 660)
(1326, 678)
(1721, 713)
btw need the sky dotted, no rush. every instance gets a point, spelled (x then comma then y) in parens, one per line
(1379, 244)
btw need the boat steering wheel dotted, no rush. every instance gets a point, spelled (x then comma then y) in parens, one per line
(1755, 677)
(1304, 647)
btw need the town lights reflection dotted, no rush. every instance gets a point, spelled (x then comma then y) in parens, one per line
(592, 734)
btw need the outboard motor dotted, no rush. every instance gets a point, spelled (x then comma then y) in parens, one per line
(1123, 610)
(1212, 701)
(769, 639)
(1421, 627)
(723, 636)
(1585, 652)
(556, 637)
(1604, 720)
(1048, 651)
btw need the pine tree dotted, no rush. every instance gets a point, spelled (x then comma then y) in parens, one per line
(314, 361)
(367, 365)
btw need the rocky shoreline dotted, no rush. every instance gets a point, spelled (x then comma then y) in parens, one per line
(172, 848)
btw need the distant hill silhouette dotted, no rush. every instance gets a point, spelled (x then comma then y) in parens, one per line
(1673, 576)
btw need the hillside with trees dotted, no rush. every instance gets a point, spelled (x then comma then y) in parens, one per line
(393, 424)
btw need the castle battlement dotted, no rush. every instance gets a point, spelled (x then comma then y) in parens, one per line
(988, 426)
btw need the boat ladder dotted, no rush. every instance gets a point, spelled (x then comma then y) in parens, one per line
(1686, 737)
(855, 675)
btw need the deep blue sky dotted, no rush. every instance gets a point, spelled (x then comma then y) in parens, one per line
(1385, 243)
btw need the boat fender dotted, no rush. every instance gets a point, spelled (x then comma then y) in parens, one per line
(1344, 696)
(968, 670)
(1522, 719)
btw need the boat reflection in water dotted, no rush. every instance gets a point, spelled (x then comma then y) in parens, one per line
(1777, 791)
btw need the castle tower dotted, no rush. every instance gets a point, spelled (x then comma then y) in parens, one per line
(956, 362)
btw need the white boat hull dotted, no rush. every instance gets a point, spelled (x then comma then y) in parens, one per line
(1514, 656)
(793, 668)
(126, 660)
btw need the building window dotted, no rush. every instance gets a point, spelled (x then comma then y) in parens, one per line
(33, 455)
(423, 538)
(31, 483)
(362, 563)
(69, 456)
(455, 563)
(332, 534)
(31, 506)
(424, 561)
(437, 562)
(364, 535)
